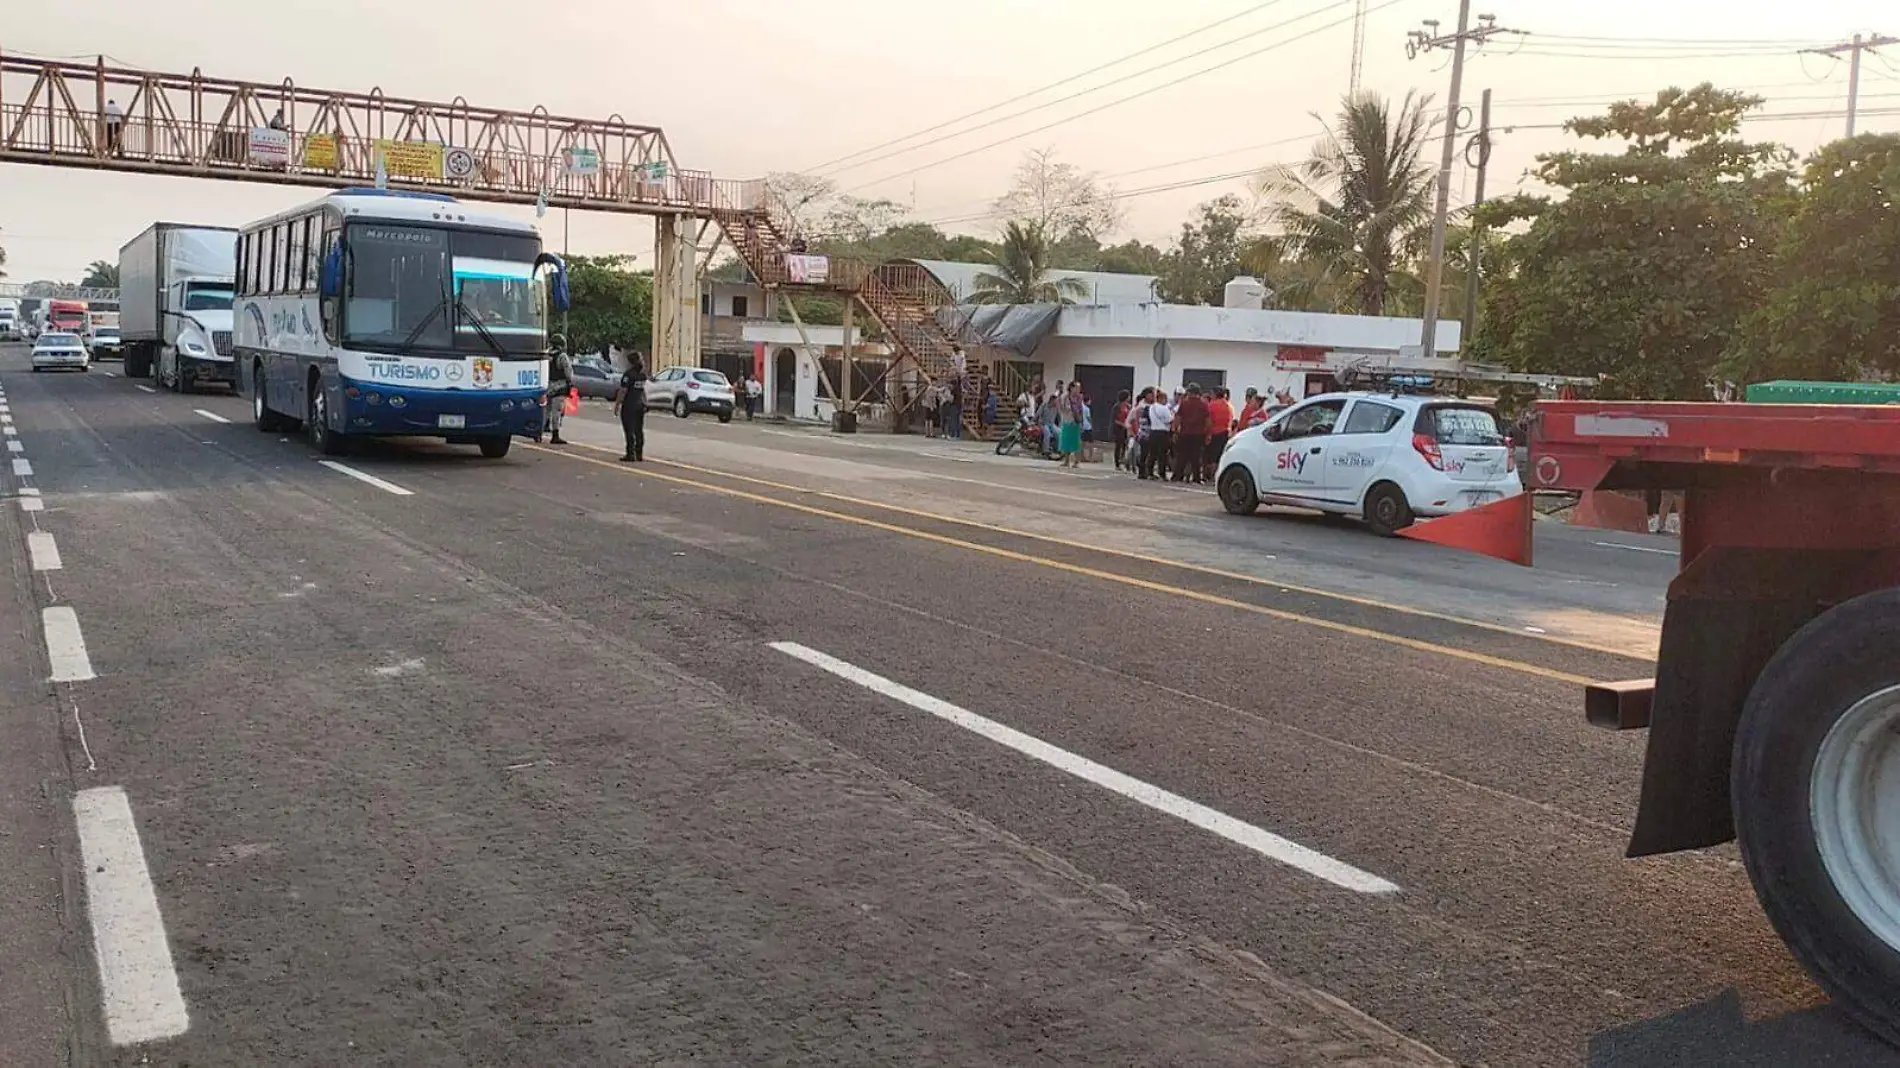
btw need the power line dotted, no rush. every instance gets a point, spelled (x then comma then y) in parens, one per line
(1648, 56)
(1604, 101)
(1125, 194)
(1854, 49)
(1216, 24)
(1783, 43)
(1112, 194)
(1774, 116)
(1085, 92)
(1640, 93)
(1132, 96)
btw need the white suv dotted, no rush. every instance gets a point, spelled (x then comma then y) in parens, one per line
(1385, 457)
(691, 389)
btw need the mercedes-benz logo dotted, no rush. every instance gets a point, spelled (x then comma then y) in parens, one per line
(454, 372)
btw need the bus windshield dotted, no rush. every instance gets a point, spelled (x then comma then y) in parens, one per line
(423, 288)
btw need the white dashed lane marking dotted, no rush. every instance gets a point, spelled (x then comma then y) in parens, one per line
(43, 551)
(65, 645)
(213, 416)
(1246, 835)
(148, 389)
(136, 977)
(13, 445)
(22, 467)
(364, 476)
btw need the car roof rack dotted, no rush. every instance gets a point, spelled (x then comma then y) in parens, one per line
(1388, 380)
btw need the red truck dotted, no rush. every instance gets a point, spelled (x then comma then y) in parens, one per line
(1774, 714)
(66, 317)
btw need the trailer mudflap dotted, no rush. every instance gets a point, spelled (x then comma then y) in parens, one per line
(1729, 610)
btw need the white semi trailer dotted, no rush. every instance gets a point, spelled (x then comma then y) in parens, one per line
(175, 285)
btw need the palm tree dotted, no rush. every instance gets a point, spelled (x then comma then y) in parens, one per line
(1360, 203)
(102, 275)
(1019, 269)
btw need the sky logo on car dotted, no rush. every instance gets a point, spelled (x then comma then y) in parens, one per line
(1292, 460)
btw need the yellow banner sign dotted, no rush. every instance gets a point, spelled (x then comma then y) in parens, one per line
(319, 152)
(410, 159)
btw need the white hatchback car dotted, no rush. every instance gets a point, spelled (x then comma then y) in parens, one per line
(60, 351)
(1384, 457)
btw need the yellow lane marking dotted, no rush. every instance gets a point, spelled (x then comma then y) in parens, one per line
(1088, 572)
(1215, 572)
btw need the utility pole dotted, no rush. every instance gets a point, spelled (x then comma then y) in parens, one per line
(1358, 47)
(1481, 145)
(1853, 49)
(1417, 43)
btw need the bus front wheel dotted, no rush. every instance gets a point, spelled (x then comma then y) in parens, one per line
(496, 448)
(325, 440)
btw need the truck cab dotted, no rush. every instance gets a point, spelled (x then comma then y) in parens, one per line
(197, 327)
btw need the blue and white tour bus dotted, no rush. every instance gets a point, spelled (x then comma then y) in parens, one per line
(378, 313)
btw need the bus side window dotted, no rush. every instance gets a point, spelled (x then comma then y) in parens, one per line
(327, 306)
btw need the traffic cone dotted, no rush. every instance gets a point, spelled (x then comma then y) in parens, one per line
(1501, 529)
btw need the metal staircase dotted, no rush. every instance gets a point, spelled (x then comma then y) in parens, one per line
(918, 315)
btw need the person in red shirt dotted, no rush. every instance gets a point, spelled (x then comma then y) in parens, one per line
(1190, 435)
(1220, 423)
(1252, 409)
(1121, 428)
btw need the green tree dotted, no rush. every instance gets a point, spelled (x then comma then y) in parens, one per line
(1207, 255)
(1130, 257)
(101, 275)
(1359, 205)
(1293, 281)
(1834, 312)
(1018, 273)
(608, 304)
(1644, 269)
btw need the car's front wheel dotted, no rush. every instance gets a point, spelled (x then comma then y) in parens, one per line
(1237, 492)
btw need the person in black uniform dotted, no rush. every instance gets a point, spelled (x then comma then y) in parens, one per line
(630, 404)
(560, 381)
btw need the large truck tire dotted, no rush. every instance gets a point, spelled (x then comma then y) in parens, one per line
(1816, 794)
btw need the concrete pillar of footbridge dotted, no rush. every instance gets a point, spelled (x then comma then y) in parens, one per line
(675, 293)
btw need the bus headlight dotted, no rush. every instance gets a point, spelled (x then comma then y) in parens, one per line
(506, 405)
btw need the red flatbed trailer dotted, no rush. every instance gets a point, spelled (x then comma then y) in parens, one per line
(1774, 716)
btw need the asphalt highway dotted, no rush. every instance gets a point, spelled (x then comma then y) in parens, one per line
(784, 748)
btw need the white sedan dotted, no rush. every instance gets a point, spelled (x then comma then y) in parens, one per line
(1387, 458)
(60, 351)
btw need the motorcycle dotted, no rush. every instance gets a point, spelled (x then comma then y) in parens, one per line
(1024, 433)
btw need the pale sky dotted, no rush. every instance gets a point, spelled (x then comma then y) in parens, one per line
(743, 87)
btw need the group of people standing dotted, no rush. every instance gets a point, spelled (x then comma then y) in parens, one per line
(1182, 438)
(1064, 418)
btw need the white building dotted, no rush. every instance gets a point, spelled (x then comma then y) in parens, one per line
(1108, 338)
(1111, 348)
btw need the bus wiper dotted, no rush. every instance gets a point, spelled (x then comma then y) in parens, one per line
(462, 307)
(421, 326)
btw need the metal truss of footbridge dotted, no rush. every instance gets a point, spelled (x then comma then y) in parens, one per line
(106, 118)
